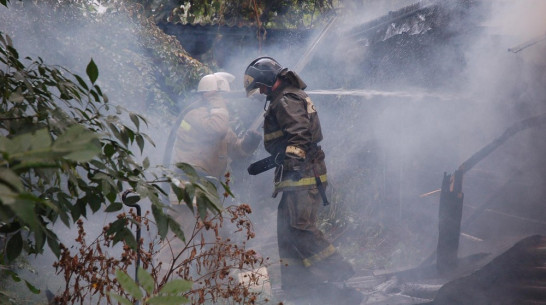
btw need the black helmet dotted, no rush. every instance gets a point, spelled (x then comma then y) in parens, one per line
(261, 71)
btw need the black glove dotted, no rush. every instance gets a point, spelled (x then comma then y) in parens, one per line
(251, 140)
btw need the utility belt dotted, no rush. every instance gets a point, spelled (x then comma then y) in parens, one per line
(276, 160)
(294, 180)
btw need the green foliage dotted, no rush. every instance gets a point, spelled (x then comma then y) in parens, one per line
(5, 297)
(268, 13)
(65, 151)
(170, 294)
(206, 268)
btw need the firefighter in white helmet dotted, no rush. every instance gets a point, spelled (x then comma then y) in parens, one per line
(205, 138)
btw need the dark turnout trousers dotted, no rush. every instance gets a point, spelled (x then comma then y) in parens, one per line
(307, 258)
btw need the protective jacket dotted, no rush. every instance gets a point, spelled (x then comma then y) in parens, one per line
(292, 126)
(206, 141)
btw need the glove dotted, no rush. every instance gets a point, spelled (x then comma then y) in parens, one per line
(293, 167)
(251, 140)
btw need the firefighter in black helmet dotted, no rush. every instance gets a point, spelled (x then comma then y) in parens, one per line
(261, 72)
(310, 264)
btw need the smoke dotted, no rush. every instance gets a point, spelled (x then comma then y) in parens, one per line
(398, 148)
(461, 89)
(112, 41)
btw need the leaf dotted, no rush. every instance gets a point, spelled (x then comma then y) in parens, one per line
(179, 192)
(131, 200)
(128, 284)
(148, 139)
(13, 51)
(95, 96)
(32, 164)
(92, 71)
(14, 276)
(94, 201)
(98, 164)
(175, 227)
(129, 239)
(210, 194)
(81, 82)
(140, 142)
(64, 217)
(12, 180)
(53, 244)
(109, 150)
(188, 170)
(7, 196)
(10, 227)
(114, 207)
(146, 280)
(39, 239)
(190, 193)
(176, 286)
(135, 120)
(168, 300)
(24, 209)
(143, 119)
(111, 195)
(32, 288)
(146, 163)
(227, 189)
(5, 144)
(76, 211)
(99, 91)
(18, 144)
(202, 205)
(84, 154)
(130, 134)
(14, 246)
(118, 134)
(161, 221)
(72, 136)
(41, 139)
(119, 298)
(79, 143)
(116, 226)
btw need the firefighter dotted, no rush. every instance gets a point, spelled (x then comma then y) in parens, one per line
(311, 267)
(206, 141)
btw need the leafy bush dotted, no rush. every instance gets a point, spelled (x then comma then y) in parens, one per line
(207, 268)
(65, 150)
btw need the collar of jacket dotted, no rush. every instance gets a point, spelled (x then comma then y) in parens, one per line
(292, 78)
(288, 78)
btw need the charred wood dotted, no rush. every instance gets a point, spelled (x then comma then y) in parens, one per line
(515, 277)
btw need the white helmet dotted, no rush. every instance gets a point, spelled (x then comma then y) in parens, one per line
(218, 81)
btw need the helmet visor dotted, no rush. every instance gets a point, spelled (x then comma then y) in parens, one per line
(252, 92)
(250, 85)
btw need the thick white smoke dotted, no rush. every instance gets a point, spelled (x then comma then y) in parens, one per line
(385, 151)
